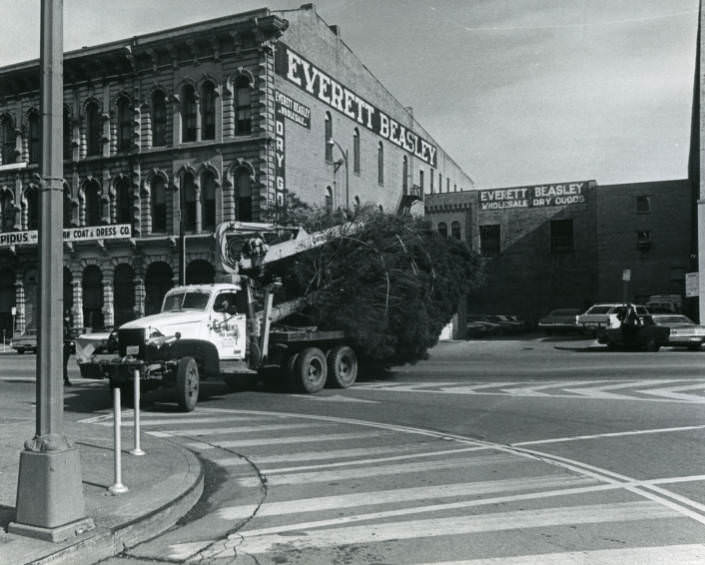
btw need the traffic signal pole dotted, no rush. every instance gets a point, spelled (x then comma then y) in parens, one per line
(50, 490)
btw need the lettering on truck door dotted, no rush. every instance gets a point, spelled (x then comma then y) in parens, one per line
(227, 327)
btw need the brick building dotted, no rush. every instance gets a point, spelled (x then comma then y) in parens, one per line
(168, 134)
(567, 245)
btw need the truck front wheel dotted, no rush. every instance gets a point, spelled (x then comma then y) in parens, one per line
(311, 370)
(187, 383)
(342, 366)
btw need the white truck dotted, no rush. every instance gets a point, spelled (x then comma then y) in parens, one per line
(210, 331)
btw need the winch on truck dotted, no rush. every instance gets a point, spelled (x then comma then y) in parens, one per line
(209, 331)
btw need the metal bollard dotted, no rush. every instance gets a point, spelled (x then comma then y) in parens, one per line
(118, 487)
(136, 387)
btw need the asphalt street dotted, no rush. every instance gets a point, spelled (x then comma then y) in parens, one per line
(512, 451)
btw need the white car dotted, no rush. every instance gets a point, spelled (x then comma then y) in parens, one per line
(684, 331)
(606, 316)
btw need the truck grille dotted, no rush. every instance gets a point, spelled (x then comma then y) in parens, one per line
(131, 337)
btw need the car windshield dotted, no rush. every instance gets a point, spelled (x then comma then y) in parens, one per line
(190, 300)
(599, 310)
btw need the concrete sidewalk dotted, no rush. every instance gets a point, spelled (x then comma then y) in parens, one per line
(163, 485)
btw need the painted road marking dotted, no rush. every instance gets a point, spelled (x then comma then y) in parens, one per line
(310, 535)
(237, 430)
(687, 554)
(566, 389)
(610, 434)
(274, 477)
(283, 440)
(393, 496)
(352, 452)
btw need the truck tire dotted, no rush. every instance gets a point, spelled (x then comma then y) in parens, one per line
(652, 345)
(187, 383)
(342, 366)
(311, 370)
(288, 373)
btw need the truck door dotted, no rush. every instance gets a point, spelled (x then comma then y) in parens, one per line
(227, 327)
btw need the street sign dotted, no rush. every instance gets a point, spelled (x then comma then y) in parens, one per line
(85, 233)
(627, 275)
(692, 285)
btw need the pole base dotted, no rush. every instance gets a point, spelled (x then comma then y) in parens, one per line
(56, 535)
(117, 488)
(50, 495)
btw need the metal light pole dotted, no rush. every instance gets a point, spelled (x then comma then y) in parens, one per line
(50, 490)
(344, 153)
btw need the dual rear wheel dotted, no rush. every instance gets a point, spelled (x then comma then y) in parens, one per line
(310, 370)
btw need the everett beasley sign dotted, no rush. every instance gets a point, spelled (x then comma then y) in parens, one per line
(31, 237)
(533, 196)
(309, 78)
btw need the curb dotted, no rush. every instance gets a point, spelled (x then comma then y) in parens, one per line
(103, 543)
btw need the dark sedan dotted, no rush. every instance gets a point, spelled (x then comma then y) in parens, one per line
(560, 320)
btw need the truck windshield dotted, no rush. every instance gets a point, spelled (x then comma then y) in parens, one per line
(192, 300)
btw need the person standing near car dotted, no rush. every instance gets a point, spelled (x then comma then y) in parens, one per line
(68, 344)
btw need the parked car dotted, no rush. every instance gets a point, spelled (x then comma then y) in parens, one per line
(25, 342)
(605, 316)
(478, 326)
(560, 320)
(684, 331)
(508, 323)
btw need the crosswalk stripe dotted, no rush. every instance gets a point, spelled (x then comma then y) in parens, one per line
(286, 440)
(675, 392)
(127, 421)
(686, 554)
(276, 478)
(304, 536)
(611, 434)
(392, 496)
(236, 430)
(376, 460)
(352, 452)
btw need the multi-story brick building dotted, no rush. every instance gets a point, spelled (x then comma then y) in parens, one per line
(173, 132)
(569, 244)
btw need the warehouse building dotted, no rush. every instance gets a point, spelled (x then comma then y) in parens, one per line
(572, 244)
(166, 135)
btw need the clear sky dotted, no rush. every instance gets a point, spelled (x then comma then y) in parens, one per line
(516, 91)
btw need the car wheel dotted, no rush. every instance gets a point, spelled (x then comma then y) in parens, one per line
(20, 351)
(342, 366)
(311, 370)
(652, 345)
(187, 383)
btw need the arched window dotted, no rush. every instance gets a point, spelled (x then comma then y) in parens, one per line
(356, 151)
(443, 229)
(455, 230)
(68, 206)
(123, 201)
(7, 140)
(158, 205)
(243, 195)
(158, 118)
(124, 117)
(356, 203)
(34, 144)
(7, 211)
(208, 110)
(421, 179)
(94, 128)
(329, 200)
(93, 205)
(208, 201)
(68, 134)
(188, 113)
(328, 131)
(380, 163)
(32, 196)
(243, 105)
(405, 175)
(188, 202)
